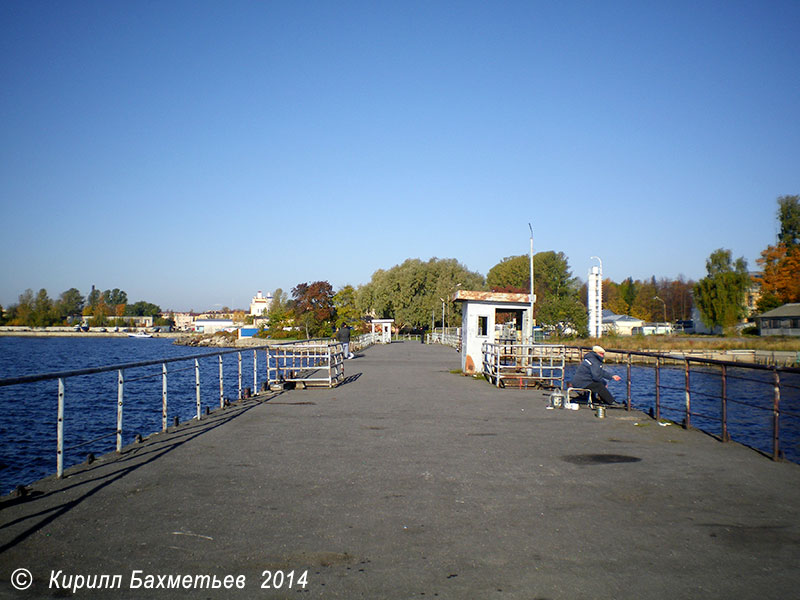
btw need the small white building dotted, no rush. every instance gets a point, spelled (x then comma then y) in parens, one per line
(384, 328)
(619, 324)
(260, 304)
(478, 318)
(212, 325)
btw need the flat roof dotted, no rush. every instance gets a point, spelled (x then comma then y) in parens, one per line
(493, 297)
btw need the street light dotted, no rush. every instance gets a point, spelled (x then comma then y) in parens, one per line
(443, 301)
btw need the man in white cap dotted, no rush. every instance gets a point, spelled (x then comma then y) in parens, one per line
(591, 375)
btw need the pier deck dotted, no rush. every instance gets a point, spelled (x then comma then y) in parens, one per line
(411, 482)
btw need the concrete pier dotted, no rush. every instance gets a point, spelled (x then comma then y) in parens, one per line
(409, 481)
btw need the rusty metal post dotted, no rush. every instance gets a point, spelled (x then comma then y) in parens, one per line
(688, 420)
(658, 388)
(628, 399)
(776, 414)
(724, 408)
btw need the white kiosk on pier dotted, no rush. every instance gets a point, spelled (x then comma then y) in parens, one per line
(479, 320)
(385, 332)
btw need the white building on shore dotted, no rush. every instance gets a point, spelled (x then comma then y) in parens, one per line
(260, 304)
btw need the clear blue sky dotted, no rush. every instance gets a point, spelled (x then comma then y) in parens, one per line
(192, 153)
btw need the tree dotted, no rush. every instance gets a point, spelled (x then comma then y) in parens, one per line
(344, 301)
(142, 309)
(413, 291)
(720, 295)
(511, 273)
(780, 264)
(313, 308)
(70, 303)
(789, 217)
(780, 277)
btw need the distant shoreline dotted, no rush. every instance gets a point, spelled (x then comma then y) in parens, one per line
(82, 334)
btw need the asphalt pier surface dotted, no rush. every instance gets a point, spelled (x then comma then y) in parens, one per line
(409, 481)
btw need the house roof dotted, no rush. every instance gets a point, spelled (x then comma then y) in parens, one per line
(611, 317)
(787, 310)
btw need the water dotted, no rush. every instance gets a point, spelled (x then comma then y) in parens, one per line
(750, 399)
(28, 412)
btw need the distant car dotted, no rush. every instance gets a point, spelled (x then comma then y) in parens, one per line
(684, 326)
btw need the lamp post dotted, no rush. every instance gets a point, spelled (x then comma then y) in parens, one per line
(442, 299)
(533, 298)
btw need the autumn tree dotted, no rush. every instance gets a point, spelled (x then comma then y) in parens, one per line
(720, 295)
(780, 264)
(313, 308)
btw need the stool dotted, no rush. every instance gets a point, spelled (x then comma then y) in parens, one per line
(581, 391)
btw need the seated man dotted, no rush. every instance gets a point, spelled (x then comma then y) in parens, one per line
(591, 375)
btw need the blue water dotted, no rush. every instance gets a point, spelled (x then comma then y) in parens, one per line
(750, 395)
(28, 412)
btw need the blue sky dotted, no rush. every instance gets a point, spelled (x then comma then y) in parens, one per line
(192, 153)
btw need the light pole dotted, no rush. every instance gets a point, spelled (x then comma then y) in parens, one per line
(533, 298)
(442, 299)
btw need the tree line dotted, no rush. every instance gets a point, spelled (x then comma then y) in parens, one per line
(39, 310)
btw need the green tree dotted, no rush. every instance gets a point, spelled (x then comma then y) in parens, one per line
(720, 295)
(344, 301)
(141, 309)
(789, 217)
(412, 292)
(69, 304)
(511, 273)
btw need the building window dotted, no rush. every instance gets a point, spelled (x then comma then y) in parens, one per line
(483, 326)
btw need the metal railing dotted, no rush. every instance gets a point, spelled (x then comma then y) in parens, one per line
(314, 362)
(524, 365)
(694, 400)
(447, 339)
(307, 364)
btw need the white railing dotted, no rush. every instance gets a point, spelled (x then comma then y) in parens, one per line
(306, 364)
(447, 339)
(524, 365)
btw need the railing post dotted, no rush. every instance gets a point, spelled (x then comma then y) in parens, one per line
(221, 390)
(197, 387)
(163, 396)
(628, 399)
(239, 354)
(776, 414)
(658, 388)
(255, 372)
(724, 408)
(60, 430)
(688, 420)
(120, 384)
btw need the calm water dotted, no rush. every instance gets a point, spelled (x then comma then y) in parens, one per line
(750, 399)
(28, 412)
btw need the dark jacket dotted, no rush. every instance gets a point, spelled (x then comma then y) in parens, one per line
(343, 335)
(590, 370)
